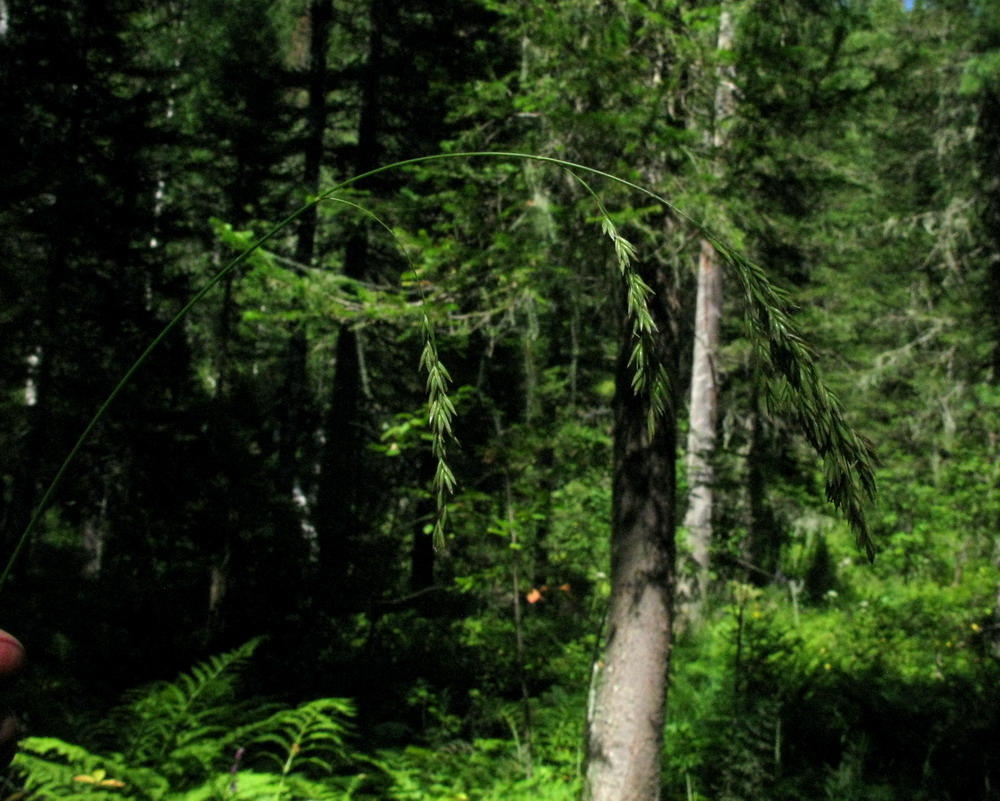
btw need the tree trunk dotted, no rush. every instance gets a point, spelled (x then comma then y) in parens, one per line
(320, 16)
(703, 417)
(294, 413)
(342, 489)
(762, 545)
(342, 484)
(704, 375)
(625, 729)
(989, 159)
(297, 419)
(422, 545)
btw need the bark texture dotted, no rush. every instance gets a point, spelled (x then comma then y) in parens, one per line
(703, 416)
(343, 477)
(625, 729)
(704, 374)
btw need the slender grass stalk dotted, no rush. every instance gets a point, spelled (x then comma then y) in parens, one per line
(848, 457)
(127, 377)
(440, 409)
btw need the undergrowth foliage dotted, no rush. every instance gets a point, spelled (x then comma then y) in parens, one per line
(169, 722)
(192, 740)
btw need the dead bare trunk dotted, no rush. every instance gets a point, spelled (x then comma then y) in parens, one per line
(704, 374)
(703, 418)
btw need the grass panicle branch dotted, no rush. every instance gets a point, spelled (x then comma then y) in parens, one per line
(440, 411)
(440, 408)
(796, 387)
(794, 382)
(649, 376)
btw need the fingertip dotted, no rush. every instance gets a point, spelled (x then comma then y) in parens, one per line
(12, 656)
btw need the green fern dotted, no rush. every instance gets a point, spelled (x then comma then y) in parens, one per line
(307, 746)
(312, 734)
(177, 723)
(53, 768)
(252, 786)
(178, 740)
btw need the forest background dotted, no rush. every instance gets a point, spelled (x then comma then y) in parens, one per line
(258, 500)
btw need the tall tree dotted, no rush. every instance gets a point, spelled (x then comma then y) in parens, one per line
(650, 46)
(703, 409)
(342, 473)
(625, 727)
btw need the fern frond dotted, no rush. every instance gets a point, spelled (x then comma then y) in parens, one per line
(251, 786)
(307, 745)
(53, 768)
(247, 786)
(311, 735)
(177, 722)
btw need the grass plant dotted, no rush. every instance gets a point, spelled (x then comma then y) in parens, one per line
(794, 383)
